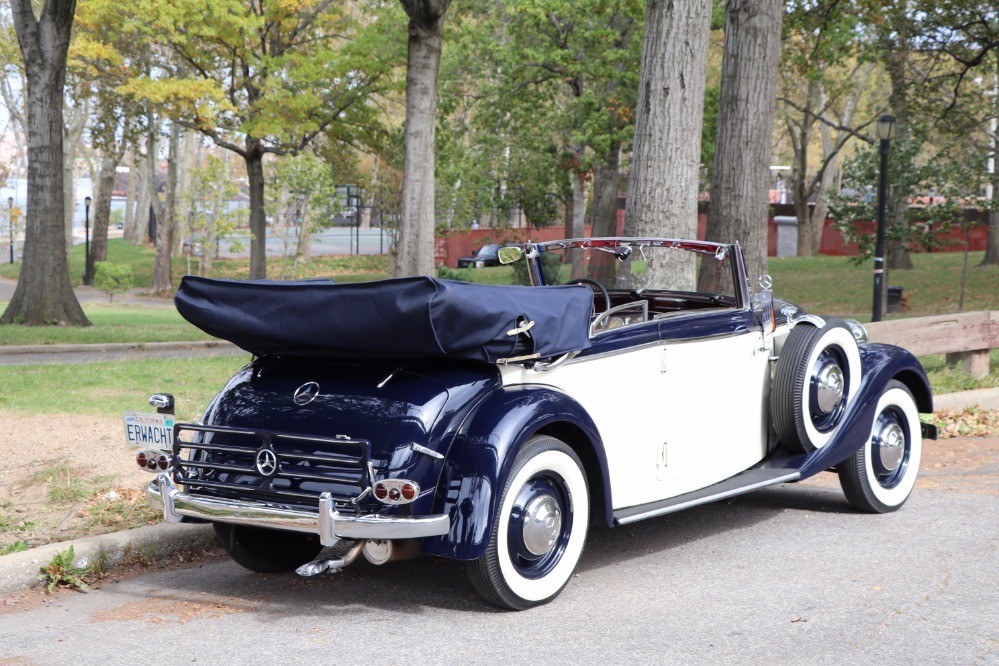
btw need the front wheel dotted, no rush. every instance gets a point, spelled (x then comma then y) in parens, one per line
(879, 477)
(539, 528)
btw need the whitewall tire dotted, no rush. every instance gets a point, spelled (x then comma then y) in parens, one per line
(880, 476)
(817, 376)
(539, 528)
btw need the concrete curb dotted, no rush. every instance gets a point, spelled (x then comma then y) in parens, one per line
(987, 398)
(19, 571)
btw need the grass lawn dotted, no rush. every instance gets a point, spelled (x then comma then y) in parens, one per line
(112, 388)
(823, 285)
(837, 286)
(111, 323)
(141, 259)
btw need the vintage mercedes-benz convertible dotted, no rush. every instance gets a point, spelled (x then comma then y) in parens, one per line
(492, 424)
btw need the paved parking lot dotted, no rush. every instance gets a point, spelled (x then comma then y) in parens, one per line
(785, 575)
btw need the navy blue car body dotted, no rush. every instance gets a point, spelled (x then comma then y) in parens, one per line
(499, 446)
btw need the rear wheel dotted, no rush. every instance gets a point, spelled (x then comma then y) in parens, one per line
(539, 529)
(267, 551)
(879, 477)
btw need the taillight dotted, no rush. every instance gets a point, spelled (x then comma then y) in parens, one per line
(153, 461)
(396, 491)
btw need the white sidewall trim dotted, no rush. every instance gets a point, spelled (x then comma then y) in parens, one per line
(895, 496)
(841, 337)
(543, 588)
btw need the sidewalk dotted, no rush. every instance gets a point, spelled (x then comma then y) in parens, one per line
(114, 351)
(92, 295)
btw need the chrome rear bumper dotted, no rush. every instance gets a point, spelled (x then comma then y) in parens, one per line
(330, 525)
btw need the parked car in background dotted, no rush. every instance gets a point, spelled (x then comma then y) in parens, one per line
(493, 424)
(484, 256)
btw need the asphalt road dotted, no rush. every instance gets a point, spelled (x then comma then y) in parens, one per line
(787, 575)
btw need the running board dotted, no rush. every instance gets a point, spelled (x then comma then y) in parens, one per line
(740, 483)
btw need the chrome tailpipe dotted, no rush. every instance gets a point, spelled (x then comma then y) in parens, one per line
(330, 564)
(376, 551)
(380, 551)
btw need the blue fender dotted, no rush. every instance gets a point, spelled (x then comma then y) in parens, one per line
(483, 451)
(880, 364)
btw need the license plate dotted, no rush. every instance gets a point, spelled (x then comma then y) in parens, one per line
(151, 431)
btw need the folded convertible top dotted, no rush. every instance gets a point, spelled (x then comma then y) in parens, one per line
(418, 317)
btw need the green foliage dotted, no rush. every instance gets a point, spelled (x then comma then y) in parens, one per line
(709, 133)
(551, 265)
(949, 378)
(533, 92)
(67, 485)
(15, 547)
(112, 278)
(108, 389)
(932, 186)
(63, 571)
(111, 323)
(211, 217)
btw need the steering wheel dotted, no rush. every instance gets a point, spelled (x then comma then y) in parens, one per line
(596, 287)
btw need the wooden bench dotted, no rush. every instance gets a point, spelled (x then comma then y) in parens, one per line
(965, 338)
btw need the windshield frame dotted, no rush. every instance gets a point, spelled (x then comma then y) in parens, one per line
(732, 253)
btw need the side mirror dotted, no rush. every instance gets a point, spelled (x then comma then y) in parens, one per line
(509, 254)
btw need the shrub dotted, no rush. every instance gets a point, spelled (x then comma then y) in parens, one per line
(62, 570)
(112, 278)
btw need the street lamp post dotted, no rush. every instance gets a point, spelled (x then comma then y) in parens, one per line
(86, 241)
(886, 127)
(10, 223)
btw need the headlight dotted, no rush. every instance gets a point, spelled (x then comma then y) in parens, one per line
(858, 330)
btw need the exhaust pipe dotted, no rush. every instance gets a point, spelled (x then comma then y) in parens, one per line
(330, 564)
(380, 551)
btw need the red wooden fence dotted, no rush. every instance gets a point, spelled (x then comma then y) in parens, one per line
(457, 244)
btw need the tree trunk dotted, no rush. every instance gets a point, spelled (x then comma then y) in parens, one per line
(303, 251)
(258, 220)
(44, 293)
(898, 252)
(603, 215)
(189, 156)
(991, 257)
(416, 228)
(799, 174)
(739, 201)
(662, 187)
(140, 222)
(68, 191)
(578, 217)
(73, 124)
(162, 274)
(102, 212)
(128, 223)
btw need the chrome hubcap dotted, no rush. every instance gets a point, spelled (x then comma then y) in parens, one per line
(829, 388)
(542, 524)
(891, 446)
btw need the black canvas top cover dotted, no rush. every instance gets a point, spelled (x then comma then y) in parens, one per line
(416, 317)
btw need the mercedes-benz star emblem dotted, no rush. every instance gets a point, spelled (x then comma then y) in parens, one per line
(305, 393)
(266, 462)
